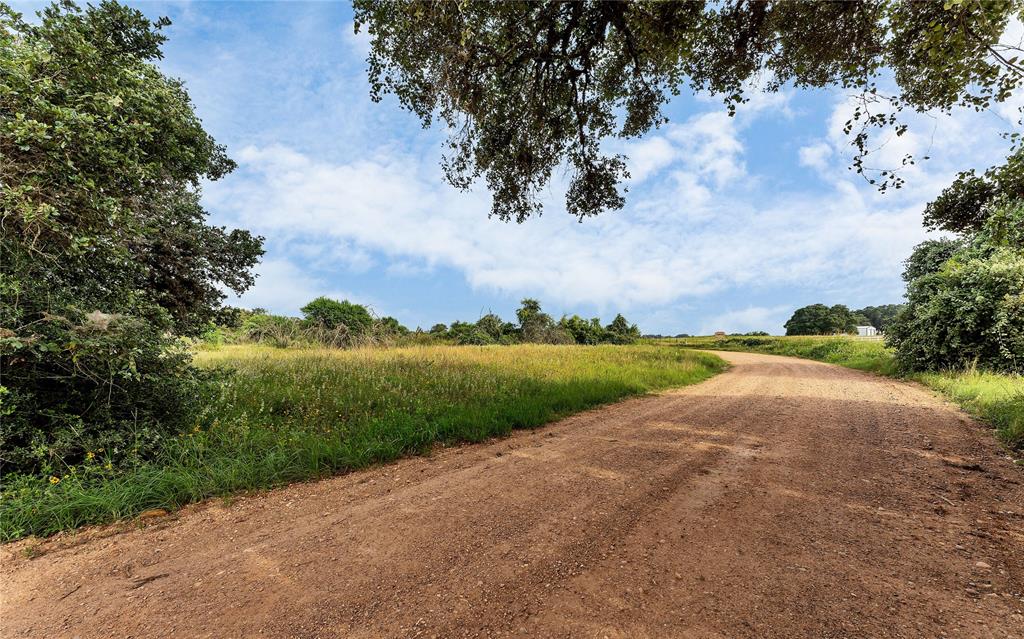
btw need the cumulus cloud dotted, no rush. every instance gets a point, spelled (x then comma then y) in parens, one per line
(283, 287)
(685, 241)
(816, 155)
(699, 221)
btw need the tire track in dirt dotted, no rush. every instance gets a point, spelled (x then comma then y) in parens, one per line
(783, 498)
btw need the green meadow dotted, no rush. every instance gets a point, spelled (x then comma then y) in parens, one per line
(273, 416)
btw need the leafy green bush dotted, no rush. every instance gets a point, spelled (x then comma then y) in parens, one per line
(966, 300)
(106, 252)
(970, 312)
(331, 314)
(584, 331)
(91, 384)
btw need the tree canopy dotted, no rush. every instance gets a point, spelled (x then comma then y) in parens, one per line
(818, 319)
(525, 87)
(331, 314)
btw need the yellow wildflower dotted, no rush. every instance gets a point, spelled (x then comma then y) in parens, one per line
(90, 455)
(54, 479)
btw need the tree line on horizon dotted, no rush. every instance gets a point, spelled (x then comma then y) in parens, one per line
(331, 322)
(819, 319)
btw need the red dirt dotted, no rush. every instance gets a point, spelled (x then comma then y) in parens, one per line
(783, 498)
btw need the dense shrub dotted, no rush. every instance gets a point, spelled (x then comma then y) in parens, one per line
(584, 331)
(967, 309)
(91, 384)
(332, 314)
(620, 331)
(106, 254)
(969, 312)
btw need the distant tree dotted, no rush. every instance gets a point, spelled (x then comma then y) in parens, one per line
(439, 330)
(878, 316)
(534, 324)
(526, 87)
(620, 331)
(329, 313)
(392, 326)
(860, 319)
(842, 319)
(492, 325)
(584, 331)
(469, 334)
(815, 319)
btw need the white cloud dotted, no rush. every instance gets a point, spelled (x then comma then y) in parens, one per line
(696, 222)
(283, 287)
(359, 42)
(667, 245)
(649, 156)
(815, 155)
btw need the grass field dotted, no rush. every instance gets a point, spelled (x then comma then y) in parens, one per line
(281, 415)
(994, 398)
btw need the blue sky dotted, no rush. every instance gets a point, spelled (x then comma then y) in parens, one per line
(730, 223)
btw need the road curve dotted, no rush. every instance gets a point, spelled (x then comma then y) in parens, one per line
(783, 498)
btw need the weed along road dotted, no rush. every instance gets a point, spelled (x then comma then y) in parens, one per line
(783, 498)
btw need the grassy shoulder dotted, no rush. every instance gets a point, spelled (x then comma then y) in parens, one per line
(997, 399)
(276, 416)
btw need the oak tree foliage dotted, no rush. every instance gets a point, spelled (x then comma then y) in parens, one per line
(526, 87)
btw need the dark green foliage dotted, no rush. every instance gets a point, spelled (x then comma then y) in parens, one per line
(439, 330)
(90, 384)
(620, 331)
(537, 326)
(493, 326)
(467, 333)
(967, 309)
(929, 256)
(331, 314)
(584, 331)
(106, 255)
(818, 319)
(391, 326)
(877, 316)
(965, 205)
(527, 86)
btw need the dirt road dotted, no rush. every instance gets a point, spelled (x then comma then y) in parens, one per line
(784, 498)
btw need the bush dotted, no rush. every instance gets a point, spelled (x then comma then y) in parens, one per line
(970, 312)
(91, 385)
(331, 314)
(584, 331)
(106, 253)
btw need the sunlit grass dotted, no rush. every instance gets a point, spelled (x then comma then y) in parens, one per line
(997, 399)
(280, 416)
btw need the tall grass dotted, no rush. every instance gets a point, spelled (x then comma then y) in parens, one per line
(279, 416)
(995, 398)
